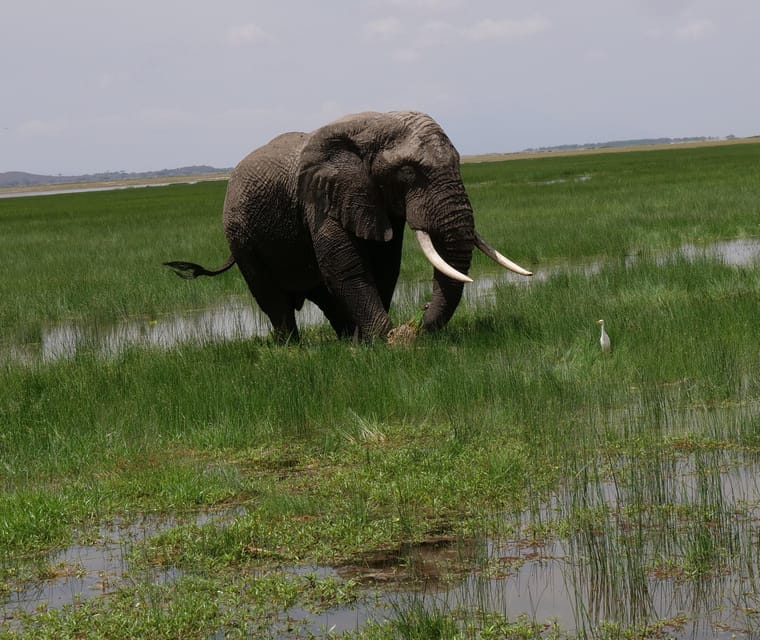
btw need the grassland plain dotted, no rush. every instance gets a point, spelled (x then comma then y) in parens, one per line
(328, 453)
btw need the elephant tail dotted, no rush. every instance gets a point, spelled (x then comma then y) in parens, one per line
(190, 270)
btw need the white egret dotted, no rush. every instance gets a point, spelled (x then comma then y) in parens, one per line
(604, 339)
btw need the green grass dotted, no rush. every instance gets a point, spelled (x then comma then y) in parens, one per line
(335, 451)
(88, 257)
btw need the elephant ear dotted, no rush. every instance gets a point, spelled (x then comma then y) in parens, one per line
(334, 179)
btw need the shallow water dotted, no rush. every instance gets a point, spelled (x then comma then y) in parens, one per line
(607, 572)
(98, 567)
(579, 581)
(10, 193)
(240, 318)
(636, 563)
(544, 183)
(585, 580)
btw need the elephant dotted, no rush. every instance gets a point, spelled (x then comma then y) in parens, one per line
(321, 216)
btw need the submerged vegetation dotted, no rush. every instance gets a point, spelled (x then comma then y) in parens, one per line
(413, 485)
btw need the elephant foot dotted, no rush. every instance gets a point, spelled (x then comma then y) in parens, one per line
(403, 335)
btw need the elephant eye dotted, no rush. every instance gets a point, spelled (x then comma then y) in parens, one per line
(406, 174)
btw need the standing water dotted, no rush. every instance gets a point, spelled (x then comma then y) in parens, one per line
(240, 318)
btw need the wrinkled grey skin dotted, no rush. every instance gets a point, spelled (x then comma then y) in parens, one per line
(321, 216)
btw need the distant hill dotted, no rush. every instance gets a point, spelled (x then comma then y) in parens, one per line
(23, 179)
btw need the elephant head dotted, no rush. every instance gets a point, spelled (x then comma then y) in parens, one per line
(372, 172)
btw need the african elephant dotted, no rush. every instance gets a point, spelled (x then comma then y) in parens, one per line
(321, 215)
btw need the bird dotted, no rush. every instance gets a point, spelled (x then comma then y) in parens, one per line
(604, 339)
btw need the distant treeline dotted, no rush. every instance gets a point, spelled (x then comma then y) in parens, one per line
(627, 143)
(23, 179)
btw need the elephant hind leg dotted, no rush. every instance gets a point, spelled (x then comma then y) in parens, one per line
(284, 328)
(277, 304)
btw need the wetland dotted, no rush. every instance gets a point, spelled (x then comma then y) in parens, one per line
(501, 479)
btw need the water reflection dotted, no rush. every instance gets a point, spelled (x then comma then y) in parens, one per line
(690, 562)
(240, 318)
(96, 568)
(630, 555)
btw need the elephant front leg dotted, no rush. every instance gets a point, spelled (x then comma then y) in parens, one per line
(347, 274)
(336, 314)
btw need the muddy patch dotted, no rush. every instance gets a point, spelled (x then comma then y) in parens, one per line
(430, 564)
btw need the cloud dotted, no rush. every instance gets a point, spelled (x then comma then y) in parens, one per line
(43, 128)
(695, 30)
(664, 8)
(506, 29)
(163, 118)
(440, 33)
(247, 34)
(426, 5)
(331, 110)
(106, 80)
(405, 55)
(595, 55)
(437, 33)
(384, 28)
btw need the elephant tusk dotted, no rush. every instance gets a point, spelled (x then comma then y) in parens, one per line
(498, 258)
(426, 244)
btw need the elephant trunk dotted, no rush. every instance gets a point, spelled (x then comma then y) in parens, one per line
(452, 239)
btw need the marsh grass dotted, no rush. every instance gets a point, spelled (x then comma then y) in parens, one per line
(380, 446)
(86, 257)
(614, 205)
(334, 451)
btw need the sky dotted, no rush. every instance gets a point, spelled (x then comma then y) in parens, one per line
(89, 86)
